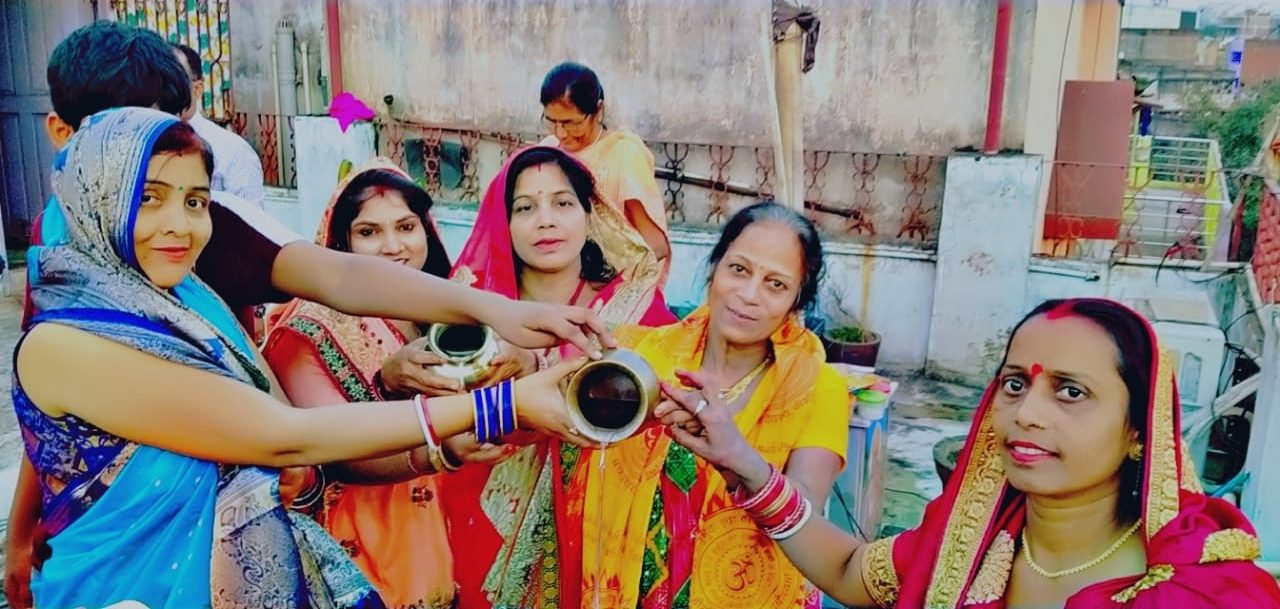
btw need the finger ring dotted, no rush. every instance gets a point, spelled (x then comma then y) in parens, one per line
(697, 409)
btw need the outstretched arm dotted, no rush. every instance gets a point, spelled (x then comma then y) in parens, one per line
(159, 403)
(371, 286)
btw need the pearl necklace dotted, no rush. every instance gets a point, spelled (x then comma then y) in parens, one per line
(1045, 573)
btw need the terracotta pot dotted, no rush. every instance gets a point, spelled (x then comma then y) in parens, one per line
(861, 353)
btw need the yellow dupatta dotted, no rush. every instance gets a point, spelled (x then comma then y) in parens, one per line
(773, 420)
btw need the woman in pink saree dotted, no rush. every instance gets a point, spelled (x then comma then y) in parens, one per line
(1073, 489)
(543, 233)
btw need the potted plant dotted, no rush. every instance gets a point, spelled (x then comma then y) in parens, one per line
(846, 340)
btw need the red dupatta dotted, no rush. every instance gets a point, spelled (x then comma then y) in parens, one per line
(1199, 549)
(512, 545)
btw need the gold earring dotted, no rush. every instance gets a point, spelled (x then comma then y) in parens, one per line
(1135, 452)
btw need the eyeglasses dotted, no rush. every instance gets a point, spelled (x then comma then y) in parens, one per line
(573, 126)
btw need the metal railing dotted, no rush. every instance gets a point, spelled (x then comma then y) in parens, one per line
(1172, 194)
(863, 197)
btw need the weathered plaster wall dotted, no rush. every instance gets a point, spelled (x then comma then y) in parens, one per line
(891, 75)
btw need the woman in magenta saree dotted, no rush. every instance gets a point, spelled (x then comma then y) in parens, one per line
(516, 526)
(1073, 489)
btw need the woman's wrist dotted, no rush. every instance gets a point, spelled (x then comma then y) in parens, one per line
(751, 469)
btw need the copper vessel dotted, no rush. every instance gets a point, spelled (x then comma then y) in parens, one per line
(610, 398)
(467, 350)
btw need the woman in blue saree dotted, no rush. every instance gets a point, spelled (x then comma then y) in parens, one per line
(148, 417)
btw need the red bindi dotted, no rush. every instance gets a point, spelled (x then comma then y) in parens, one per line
(1036, 370)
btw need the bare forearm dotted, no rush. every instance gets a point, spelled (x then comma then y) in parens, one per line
(361, 431)
(384, 470)
(831, 559)
(371, 286)
(24, 514)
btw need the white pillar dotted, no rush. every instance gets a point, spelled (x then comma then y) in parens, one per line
(984, 255)
(322, 147)
(1261, 499)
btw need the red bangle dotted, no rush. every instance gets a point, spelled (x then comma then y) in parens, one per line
(420, 401)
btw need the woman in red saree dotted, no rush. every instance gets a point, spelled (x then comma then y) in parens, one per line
(542, 233)
(1073, 489)
(389, 519)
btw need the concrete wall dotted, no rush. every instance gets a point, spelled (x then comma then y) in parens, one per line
(1180, 49)
(1261, 61)
(890, 76)
(984, 251)
(253, 35)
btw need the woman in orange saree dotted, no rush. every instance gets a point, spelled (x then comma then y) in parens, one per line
(391, 520)
(1073, 489)
(573, 110)
(542, 233)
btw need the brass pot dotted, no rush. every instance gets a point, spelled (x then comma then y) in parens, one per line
(468, 351)
(610, 398)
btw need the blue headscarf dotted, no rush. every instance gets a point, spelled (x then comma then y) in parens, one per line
(169, 530)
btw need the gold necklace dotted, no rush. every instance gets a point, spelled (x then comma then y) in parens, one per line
(1045, 573)
(731, 394)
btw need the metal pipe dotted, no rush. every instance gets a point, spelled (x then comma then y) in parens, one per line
(999, 67)
(306, 78)
(287, 84)
(333, 25)
(737, 189)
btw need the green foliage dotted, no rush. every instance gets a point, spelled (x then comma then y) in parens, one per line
(847, 334)
(1238, 130)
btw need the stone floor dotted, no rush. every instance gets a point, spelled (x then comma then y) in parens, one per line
(923, 412)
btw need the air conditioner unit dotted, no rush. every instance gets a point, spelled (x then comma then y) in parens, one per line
(1187, 327)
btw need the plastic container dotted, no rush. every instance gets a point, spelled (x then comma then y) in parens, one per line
(871, 404)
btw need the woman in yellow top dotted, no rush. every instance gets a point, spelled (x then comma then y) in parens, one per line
(671, 536)
(573, 109)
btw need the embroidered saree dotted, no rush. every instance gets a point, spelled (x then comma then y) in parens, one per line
(1200, 550)
(624, 170)
(670, 535)
(395, 533)
(512, 545)
(130, 521)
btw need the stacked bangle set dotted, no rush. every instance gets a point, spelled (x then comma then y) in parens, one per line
(495, 416)
(495, 410)
(778, 507)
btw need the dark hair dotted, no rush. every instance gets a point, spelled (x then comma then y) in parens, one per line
(1136, 352)
(195, 67)
(594, 266)
(575, 82)
(810, 244)
(108, 65)
(417, 199)
(180, 138)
